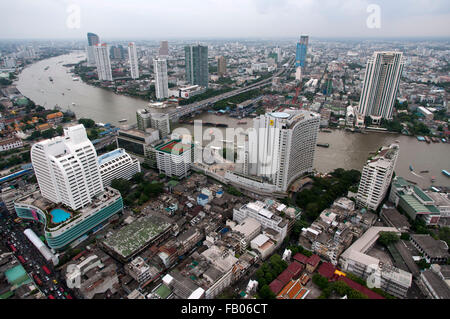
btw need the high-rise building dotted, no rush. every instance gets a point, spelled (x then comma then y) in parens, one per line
(302, 51)
(221, 66)
(66, 168)
(197, 71)
(117, 52)
(103, 62)
(281, 147)
(161, 122)
(93, 40)
(376, 177)
(133, 59)
(380, 89)
(164, 48)
(279, 54)
(144, 118)
(161, 79)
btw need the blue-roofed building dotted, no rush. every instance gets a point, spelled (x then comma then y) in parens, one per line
(202, 199)
(117, 164)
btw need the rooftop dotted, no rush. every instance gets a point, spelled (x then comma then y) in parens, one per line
(174, 147)
(432, 247)
(133, 237)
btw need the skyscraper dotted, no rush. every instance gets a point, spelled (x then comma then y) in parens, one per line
(376, 177)
(66, 168)
(196, 58)
(133, 59)
(302, 51)
(281, 146)
(161, 79)
(164, 48)
(380, 89)
(221, 66)
(93, 40)
(103, 62)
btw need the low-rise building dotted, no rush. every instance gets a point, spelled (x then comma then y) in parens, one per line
(434, 251)
(7, 144)
(356, 260)
(140, 270)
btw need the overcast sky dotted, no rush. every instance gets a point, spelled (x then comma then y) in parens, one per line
(168, 19)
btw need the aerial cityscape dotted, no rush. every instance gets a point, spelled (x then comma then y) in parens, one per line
(268, 162)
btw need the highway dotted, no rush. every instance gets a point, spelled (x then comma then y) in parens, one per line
(198, 106)
(12, 233)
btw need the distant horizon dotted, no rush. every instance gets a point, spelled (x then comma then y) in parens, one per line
(311, 37)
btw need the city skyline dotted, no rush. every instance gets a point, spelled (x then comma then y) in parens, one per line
(256, 18)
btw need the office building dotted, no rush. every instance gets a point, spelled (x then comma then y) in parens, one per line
(164, 48)
(196, 59)
(355, 259)
(93, 40)
(302, 51)
(221, 66)
(66, 168)
(376, 177)
(103, 62)
(174, 158)
(161, 79)
(161, 122)
(133, 60)
(380, 88)
(281, 147)
(117, 165)
(137, 142)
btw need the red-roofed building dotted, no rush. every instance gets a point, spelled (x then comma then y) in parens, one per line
(327, 270)
(302, 259)
(285, 277)
(276, 286)
(313, 263)
(295, 269)
(369, 293)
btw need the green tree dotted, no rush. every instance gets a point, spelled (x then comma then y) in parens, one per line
(122, 185)
(387, 238)
(266, 293)
(88, 123)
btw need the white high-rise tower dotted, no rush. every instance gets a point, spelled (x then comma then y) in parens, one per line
(133, 59)
(161, 79)
(383, 73)
(66, 168)
(103, 63)
(376, 177)
(281, 147)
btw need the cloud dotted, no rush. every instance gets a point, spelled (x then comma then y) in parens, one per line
(223, 18)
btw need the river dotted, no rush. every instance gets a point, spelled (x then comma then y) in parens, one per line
(347, 150)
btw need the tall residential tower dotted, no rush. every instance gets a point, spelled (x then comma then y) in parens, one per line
(196, 58)
(133, 59)
(103, 62)
(93, 40)
(376, 177)
(161, 79)
(380, 89)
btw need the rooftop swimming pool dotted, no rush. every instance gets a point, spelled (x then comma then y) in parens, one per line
(59, 215)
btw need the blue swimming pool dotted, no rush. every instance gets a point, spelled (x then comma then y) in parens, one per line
(59, 215)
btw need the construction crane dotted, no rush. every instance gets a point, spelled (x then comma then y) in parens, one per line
(297, 93)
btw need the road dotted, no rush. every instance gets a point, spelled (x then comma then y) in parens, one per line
(12, 233)
(198, 106)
